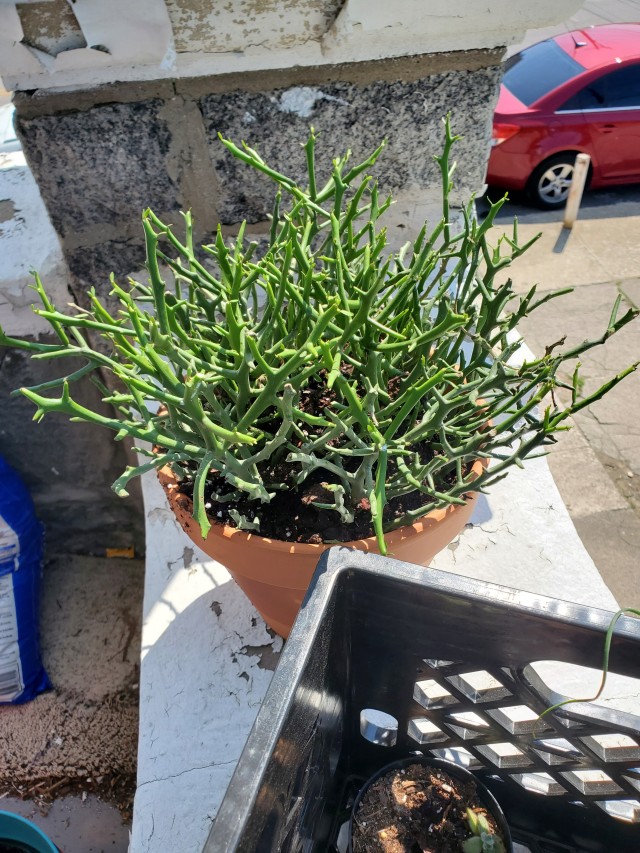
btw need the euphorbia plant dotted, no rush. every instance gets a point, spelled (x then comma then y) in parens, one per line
(366, 380)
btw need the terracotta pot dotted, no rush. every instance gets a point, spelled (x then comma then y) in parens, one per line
(275, 574)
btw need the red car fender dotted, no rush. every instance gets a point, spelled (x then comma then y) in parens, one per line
(580, 143)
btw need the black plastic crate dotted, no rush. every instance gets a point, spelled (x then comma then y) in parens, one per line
(378, 634)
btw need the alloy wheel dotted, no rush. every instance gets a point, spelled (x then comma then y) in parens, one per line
(554, 183)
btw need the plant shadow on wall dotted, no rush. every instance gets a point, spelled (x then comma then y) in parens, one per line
(324, 388)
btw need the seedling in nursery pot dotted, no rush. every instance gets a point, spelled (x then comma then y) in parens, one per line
(430, 805)
(483, 838)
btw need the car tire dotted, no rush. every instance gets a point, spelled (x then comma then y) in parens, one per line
(548, 186)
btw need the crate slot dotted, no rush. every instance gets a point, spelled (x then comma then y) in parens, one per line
(430, 694)
(633, 780)
(592, 781)
(479, 686)
(568, 723)
(504, 755)
(518, 719)
(459, 755)
(423, 730)
(556, 750)
(539, 783)
(467, 725)
(612, 746)
(627, 810)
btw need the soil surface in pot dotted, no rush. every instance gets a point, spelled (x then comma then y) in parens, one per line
(292, 514)
(416, 809)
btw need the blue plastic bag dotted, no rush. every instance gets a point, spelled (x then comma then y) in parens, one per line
(22, 675)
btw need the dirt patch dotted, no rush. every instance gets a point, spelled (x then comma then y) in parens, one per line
(7, 210)
(82, 735)
(292, 514)
(79, 746)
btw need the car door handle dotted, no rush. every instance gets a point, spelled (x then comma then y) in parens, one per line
(607, 128)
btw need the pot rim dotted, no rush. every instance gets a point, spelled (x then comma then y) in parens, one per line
(169, 482)
(16, 829)
(456, 770)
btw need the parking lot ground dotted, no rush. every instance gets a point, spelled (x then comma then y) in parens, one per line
(596, 465)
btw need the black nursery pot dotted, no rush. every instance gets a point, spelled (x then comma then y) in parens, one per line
(457, 772)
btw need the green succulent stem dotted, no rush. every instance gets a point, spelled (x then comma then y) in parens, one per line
(411, 352)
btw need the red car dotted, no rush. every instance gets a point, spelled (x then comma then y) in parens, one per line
(577, 92)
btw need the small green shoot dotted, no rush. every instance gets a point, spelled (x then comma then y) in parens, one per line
(482, 839)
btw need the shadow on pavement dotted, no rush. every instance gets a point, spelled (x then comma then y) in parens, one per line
(561, 242)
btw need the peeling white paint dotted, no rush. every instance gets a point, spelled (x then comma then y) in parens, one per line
(213, 28)
(139, 32)
(142, 43)
(119, 34)
(15, 58)
(301, 100)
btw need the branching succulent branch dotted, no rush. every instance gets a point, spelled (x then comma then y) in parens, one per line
(412, 349)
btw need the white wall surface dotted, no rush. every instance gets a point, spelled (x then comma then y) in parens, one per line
(27, 241)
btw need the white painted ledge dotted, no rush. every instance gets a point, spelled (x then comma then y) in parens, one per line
(201, 681)
(150, 39)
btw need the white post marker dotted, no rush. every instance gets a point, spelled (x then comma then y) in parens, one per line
(576, 189)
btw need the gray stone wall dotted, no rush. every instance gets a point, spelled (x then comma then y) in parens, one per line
(348, 116)
(100, 157)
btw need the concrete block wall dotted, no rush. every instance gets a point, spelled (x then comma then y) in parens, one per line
(103, 156)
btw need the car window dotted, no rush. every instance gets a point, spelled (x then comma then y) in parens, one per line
(538, 70)
(618, 89)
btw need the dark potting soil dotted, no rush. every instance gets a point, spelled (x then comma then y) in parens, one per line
(291, 516)
(417, 809)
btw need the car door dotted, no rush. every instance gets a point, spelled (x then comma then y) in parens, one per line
(614, 118)
(610, 104)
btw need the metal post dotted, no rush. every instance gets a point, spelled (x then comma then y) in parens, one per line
(576, 189)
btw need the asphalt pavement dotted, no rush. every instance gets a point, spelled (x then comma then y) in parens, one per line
(597, 464)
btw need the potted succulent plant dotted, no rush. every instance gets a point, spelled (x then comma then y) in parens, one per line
(321, 387)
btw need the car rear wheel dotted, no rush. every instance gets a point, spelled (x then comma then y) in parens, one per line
(549, 184)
